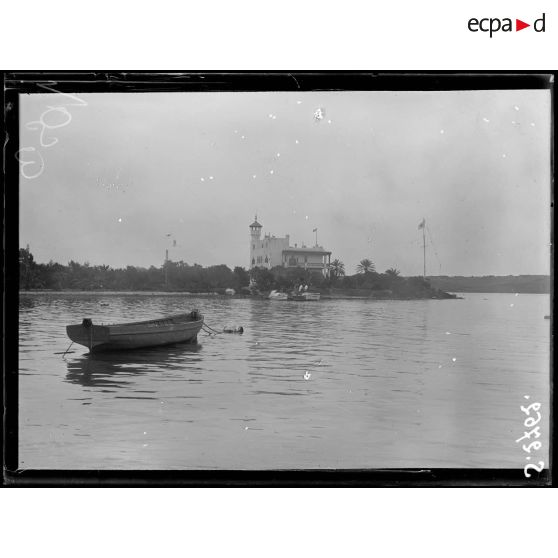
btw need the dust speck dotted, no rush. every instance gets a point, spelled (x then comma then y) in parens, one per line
(319, 114)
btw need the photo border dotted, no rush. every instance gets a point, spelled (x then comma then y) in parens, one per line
(17, 83)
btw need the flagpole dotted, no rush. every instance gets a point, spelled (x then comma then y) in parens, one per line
(423, 254)
(167, 269)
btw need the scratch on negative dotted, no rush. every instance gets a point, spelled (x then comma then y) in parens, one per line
(6, 141)
(297, 84)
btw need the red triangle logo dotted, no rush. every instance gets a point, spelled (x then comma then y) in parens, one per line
(519, 25)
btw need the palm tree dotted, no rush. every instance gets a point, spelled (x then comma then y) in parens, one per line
(392, 272)
(336, 269)
(365, 266)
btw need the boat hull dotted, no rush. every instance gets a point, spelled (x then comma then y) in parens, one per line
(117, 337)
(274, 295)
(305, 296)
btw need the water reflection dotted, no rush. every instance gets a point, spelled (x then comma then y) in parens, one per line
(120, 369)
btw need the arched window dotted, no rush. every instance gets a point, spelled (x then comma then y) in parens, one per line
(253, 261)
(266, 260)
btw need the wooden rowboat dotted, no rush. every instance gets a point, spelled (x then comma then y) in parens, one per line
(276, 295)
(181, 328)
(306, 295)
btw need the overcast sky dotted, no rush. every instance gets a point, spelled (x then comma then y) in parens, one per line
(130, 168)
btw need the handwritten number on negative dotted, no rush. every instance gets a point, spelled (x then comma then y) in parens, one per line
(527, 410)
(79, 102)
(46, 126)
(539, 467)
(533, 445)
(28, 174)
(529, 422)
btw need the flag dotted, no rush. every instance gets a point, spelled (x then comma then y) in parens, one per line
(314, 230)
(422, 223)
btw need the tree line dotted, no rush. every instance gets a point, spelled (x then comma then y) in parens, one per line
(172, 276)
(182, 277)
(365, 281)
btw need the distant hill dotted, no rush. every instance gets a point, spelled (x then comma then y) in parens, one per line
(492, 284)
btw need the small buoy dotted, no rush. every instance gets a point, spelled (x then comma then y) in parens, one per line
(233, 329)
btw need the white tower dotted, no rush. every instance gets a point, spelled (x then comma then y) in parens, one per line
(255, 237)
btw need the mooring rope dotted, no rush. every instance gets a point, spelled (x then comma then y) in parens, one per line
(212, 330)
(67, 349)
(208, 329)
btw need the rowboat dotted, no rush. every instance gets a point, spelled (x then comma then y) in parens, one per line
(276, 295)
(305, 296)
(180, 328)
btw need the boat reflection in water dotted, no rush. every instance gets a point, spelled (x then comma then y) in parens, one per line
(119, 369)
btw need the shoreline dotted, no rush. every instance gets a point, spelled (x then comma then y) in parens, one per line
(38, 292)
(457, 295)
(116, 293)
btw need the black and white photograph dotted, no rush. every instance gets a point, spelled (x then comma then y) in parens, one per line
(321, 275)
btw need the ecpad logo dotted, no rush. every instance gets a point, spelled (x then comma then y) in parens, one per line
(493, 25)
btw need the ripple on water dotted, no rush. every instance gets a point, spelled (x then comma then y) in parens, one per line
(382, 381)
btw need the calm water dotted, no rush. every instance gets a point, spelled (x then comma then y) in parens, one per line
(389, 384)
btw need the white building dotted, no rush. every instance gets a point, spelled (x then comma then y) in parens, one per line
(271, 251)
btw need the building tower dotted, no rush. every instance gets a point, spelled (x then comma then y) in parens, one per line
(255, 237)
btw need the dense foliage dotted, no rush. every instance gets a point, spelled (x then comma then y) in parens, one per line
(364, 283)
(182, 277)
(173, 276)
